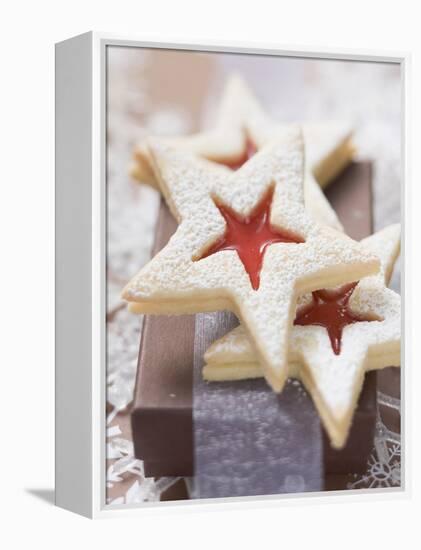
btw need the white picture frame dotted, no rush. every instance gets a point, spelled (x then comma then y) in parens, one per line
(80, 266)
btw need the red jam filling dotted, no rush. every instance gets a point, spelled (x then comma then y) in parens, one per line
(250, 236)
(249, 150)
(330, 309)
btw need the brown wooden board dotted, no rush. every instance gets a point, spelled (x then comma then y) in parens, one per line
(162, 416)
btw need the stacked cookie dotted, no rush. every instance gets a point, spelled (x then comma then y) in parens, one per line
(257, 236)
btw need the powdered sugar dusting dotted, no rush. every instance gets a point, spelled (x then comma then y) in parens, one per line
(240, 115)
(173, 280)
(335, 380)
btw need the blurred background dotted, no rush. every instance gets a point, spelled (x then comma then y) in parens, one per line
(167, 92)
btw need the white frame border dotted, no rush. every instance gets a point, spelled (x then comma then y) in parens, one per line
(100, 42)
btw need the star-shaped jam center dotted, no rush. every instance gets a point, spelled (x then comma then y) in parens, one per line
(250, 236)
(330, 309)
(249, 150)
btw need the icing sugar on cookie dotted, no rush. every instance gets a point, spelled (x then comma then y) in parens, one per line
(175, 282)
(365, 320)
(242, 128)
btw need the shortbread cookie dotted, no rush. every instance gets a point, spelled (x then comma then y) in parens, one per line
(257, 279)
(242, 128)
(331, 357)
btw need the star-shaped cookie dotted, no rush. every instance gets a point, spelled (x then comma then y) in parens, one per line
(304, 256)
(369, 339)
(242, 127)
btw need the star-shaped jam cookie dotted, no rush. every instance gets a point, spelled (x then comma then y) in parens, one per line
(250, 236)
(330, 309)
(184, 278)
(337, 337)
(242, 128)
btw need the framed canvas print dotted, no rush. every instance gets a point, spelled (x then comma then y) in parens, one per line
(228, 305)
